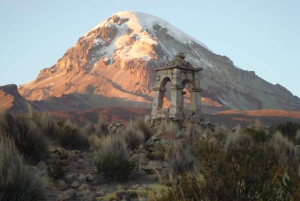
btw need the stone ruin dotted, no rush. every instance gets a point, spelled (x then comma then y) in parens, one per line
(179, 73)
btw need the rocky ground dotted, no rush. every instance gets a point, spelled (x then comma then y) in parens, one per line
(81, 181)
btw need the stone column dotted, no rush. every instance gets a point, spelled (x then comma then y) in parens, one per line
(175, 109)
(158, 101)
(196, 101)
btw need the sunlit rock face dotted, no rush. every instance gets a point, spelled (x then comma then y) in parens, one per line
(112, 65)
(12, 101)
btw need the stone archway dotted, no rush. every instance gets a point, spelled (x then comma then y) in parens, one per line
(179, 72)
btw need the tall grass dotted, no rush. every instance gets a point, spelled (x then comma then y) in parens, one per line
(112, 160)
(133, 138)
(18, 181)
(69, 136)
(28, 138)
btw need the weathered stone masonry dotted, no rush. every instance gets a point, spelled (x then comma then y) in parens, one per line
(179, 72)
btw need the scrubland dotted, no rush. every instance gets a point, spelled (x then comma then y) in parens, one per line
(45, 159)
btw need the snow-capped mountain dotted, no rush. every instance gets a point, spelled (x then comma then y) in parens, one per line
(112, 65)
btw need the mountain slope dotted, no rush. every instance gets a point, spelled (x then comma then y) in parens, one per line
(12, 101)
(112, 65)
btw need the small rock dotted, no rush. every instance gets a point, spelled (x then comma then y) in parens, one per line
(69, 178)
(143, 159)
(149, 177)
(81, 178)
(145, 186)
(166, 165)
(100, 194)
(42, 165)
(62, 185)
(89, 197)
(84, 187)
(90, 177)
(75, 184)
(63, 197)
(154, 165)
(136, 174)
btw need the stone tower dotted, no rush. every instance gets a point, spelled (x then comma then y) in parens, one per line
(179, 72)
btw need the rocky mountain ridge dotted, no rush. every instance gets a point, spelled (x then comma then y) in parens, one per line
(112, 65)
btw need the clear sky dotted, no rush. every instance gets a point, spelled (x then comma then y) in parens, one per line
(257, 35)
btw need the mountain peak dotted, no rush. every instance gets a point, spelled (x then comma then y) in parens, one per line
(113, 65)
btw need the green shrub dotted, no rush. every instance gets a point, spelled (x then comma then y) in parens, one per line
(69, 136)
(56, 171)
(113, 167)
(259, 136)
(112, 160)
(289, 129)
(18, 181)
(28, 138)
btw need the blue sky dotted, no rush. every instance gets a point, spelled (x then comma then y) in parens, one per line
(257, 35)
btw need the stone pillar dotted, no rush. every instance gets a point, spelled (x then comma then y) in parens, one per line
(158, 101)
(195, 105)
(175, 110)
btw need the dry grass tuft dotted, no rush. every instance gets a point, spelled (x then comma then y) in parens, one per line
(18, 181)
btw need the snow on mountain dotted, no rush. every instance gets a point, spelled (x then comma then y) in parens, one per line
(112, 65)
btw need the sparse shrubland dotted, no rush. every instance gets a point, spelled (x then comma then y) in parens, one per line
(192, 162)
(246, 164)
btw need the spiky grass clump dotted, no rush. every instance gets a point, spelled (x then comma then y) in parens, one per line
(133, 138)
(28, 138)
(47, 124)
(101, 128)
(167, 126)
(18, 181)
(144, 128)
(180, 159)
(112, 160)
(69, 136)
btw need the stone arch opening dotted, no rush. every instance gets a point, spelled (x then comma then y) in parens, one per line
(186, 96)
(181, 75)
(165, 86)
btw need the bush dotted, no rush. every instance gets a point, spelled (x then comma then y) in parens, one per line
(241, 167)
(69, 136)
(47, 124)
(187, 188)
(56, 171)
(133, 138)
(289, 129)
(28, 138)
(18, 181)
(180, 159)
(114, 167)
(101, 129)
(112, 160)
(145, 128)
